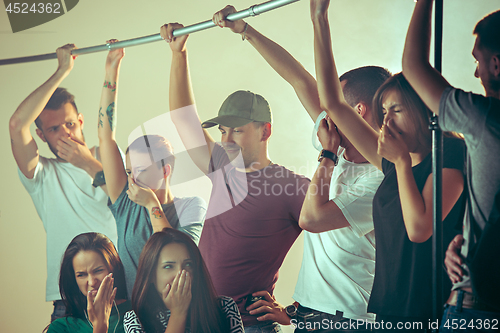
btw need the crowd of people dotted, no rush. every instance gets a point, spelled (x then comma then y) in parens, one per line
(124, 254)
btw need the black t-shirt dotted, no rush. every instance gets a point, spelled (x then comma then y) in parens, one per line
(403, 269)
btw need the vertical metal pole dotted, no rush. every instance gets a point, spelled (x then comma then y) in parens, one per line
(437, 166)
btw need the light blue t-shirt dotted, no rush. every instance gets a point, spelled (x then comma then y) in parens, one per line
(134, 227)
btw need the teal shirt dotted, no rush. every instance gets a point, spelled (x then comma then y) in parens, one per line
(77, 325)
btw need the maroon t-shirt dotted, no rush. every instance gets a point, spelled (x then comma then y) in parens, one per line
(252, 221)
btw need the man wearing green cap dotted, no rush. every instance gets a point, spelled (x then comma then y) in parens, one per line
(254, 208)
(338, 261)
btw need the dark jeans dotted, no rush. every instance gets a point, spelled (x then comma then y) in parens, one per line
(458, 319)
(310, 320)
(59, 310)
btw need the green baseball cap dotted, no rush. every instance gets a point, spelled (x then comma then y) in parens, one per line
(240, 108)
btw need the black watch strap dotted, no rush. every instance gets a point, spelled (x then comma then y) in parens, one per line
(328, 154)
(99, 179)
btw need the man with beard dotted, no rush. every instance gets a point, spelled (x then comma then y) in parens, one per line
(472, 259)
(67, 191)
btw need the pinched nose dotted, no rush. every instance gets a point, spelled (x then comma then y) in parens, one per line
(387, 117)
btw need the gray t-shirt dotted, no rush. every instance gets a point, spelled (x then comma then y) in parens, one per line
(134, 227)
(478, 118)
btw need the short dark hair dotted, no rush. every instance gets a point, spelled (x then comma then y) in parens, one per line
(362, 83)
(205, 312)
(158, 147)
(60, 97)
(75, 301)
(488, 32)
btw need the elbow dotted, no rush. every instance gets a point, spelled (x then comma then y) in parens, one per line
(303, 82)
(413, 66)
(307, 222)
(406, 61)
(417, 235)
(327, 105)
(407, 67)
(15, 124)
(417, 238)
(333, 104)
(303, 221)
(103, 137)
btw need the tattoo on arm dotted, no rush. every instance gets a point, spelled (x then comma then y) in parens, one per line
(101, 115)
(107, 84)
(157, 212)
(110, 112)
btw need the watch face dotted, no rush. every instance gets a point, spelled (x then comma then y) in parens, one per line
(291, 310)
(99, 179)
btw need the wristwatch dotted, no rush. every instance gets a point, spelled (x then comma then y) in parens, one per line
(328, 154)
(99, 179)
(291, 310)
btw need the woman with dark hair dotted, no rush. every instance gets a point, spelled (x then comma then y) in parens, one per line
(173, 291)
(403, 204)
(143, 202)
(92, 285)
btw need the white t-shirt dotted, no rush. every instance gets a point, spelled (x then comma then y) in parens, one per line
(68, 205)
(338, 266)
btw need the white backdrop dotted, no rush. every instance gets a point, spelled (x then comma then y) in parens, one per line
(364, 32)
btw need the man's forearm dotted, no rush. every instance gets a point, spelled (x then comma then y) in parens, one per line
(427, 82)
(180, 90)
(34, 104)
(319, 213)
(418, 39)
(92, 166)
(184, 114)
(329, 89)
(24, 148)
(289, 69)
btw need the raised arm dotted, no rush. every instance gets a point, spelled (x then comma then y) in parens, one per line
(197, 140)
(24, 147)
(319, 213)
(427, 81)
(360, 134)
(278, 58)
(112, 163)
